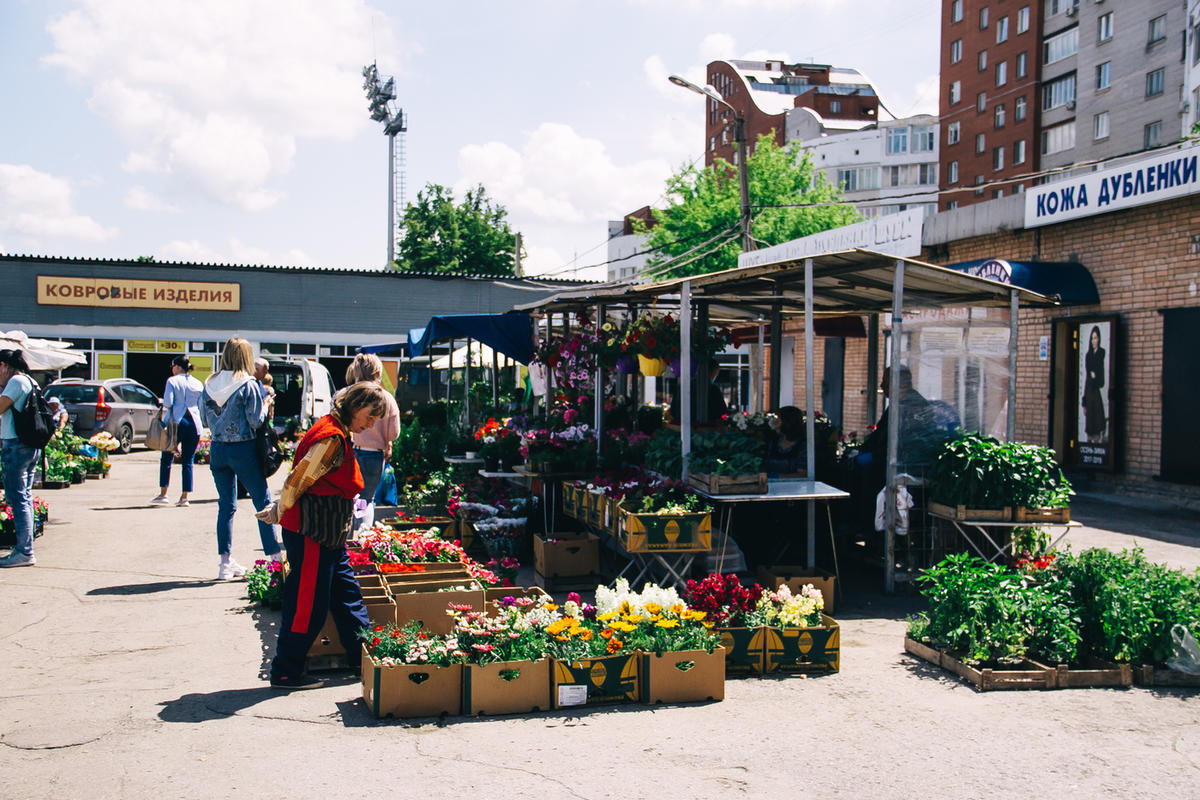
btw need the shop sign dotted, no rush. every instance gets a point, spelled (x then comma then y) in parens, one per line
(110, 365)
(53, 290)
(140, 345)
(894, 234)
(1150, 180)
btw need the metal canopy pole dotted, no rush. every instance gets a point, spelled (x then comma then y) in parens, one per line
(495, 381)
(702, 409)
(810, 448)
(756, 371)
(776, 353)
(872, 369)
(598, 398)
(893, 440)
(1014, 311)
(685, 377)
(466, 379)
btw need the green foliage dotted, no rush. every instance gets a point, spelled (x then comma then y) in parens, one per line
(418, 449)
(982, 472)
(441, 236)
(664, 455)
(726, 453)
(705, 201)
(1129, 604)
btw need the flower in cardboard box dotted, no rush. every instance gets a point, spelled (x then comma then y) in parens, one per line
(723, 597)
(394, 645)
(781, 608)
(104, 441)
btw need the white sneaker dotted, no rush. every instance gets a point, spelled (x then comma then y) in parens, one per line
(229, 569)
(161, 500)
(17, 559)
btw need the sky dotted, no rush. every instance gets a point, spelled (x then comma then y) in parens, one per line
(237, 131)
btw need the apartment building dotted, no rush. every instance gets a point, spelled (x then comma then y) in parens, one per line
(1191, 72)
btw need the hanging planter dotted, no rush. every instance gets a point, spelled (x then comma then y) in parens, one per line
(652, 367)
(626, 364)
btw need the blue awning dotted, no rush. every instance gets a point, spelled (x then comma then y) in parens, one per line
(510, 334)
(1069, 280)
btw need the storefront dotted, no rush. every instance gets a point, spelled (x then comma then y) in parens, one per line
(131, 318)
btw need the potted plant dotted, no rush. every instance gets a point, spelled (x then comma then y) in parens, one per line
(666, 516)
(264, 583)
(655, 341)
(506, 669)
(729, 605)
(727, 462)
(407, 672)
(979, 477)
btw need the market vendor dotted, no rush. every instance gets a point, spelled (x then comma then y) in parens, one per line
(786, 452)
(716, 401)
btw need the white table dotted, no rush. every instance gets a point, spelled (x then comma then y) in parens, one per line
(983, 528)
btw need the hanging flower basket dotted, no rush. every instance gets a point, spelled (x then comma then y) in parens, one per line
(626, 364)
(651, 367)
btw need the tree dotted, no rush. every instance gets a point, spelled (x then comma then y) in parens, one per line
(705, 201)
(440, 236)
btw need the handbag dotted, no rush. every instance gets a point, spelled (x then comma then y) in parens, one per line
(266, 446)
(163, 433)
(326, 519)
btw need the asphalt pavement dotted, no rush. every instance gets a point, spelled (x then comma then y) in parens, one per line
(129, 671)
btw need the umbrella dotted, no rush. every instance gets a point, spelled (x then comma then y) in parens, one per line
(42, 354)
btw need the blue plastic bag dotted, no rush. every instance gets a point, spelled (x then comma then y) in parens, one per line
(386, 495)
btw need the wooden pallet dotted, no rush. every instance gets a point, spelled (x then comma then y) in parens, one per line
(1146, 675)
(1023, 675)
(964, 514)
(1093, 673)
(729, 484)
(1042, 515)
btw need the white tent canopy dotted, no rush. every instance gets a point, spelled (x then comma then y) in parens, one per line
(42, 354)
(481, 356)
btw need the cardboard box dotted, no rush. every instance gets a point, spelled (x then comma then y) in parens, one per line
(380, 610)
(429, 608)
(411, 691)
(667, 533)
(594, 681)
(566, 554)
(506, 687)
(685, 676)
(570, 499)
(430, 585)
(810, 651)
(745, 650)
(796, 577)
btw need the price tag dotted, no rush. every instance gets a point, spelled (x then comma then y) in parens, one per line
(572, 694)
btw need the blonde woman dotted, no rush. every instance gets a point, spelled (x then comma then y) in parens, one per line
(232, 409)
(373, 445)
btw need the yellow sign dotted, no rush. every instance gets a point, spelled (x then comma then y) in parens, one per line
(110, 365)
(203, 367)
(140, 345)
(171, 346)
(130, 293)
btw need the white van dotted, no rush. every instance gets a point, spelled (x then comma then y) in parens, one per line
(303, 391)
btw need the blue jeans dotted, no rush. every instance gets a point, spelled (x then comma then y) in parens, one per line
(370, 464)
(189, 439)
(232, 462)
(20, 460)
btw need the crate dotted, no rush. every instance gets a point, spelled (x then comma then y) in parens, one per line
(494, 593)
(1147, 675)
(595, 505)
(686, 676)
(797, 577)
(566, 554)
(595, 681)
(806, 651)
(744, 650)
(411, 691)
(666, 533)
(729, 484)
(428, 609)
(571, 499)
(1043, 515)
(506, 687)
(964, 514)
(1023, 675)
(1093, 672)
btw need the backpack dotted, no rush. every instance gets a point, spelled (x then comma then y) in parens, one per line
(35, 424)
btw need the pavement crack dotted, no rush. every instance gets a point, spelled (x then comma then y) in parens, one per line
(509, 767)
(67, 746)
(25, 627)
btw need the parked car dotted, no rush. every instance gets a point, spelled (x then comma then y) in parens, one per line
(123, 407)
(303, 392)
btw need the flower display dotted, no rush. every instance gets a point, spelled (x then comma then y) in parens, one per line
(264, 582)
(763, 422)
(653, 336)
(506, 568)
(387, 545)
(726, 600)
(104, 441)
(665, 497)
(394, 645)
(781, 608)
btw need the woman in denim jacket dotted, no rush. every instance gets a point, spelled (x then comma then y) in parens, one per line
(232, 409)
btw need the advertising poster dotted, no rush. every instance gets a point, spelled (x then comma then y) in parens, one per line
(1093, 437)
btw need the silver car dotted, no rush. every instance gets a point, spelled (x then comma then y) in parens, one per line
(123, 407)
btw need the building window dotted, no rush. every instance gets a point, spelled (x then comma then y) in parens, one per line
(1019, 109)
(1060, 46)
(952, 172)
(980, 142)
(1058, 92)
(1022, 64)
(923, 138)
(999, 114)
(712, 143)
(927, 173)
(1100, 126)
(1104, 27)
(1103, 75)
(982, 59)
(1002, 30)
(1152, 135)
(953, 131)
(1196, 105)
(1058, 138)
(1023, 20)
(1158, 30)
(854, 179)
(956, 11)
(981, 102)
(955, 92)
(979, 182)
(897, 141)
(983, 18)
(956, 51)
(1196, 44)
(1002, 73)
(1155, 81)
(1019, 151)
(997, 158)
(997, 194)
(953, 204)
(835, 106)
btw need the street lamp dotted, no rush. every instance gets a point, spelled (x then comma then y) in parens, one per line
(739, 136)
(378, 96)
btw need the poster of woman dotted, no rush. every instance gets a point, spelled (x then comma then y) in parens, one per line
(1095, 392)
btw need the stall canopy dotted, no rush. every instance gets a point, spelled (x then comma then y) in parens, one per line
(1069, 281)
(509, 334)
(42, 354)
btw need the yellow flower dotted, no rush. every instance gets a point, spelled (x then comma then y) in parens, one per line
(654, 618)
(634, 619)
(696, 615)
(654, 608)
(624, 627)
(678, 608)
(550, 606)
(557, 627)
(625, 608)
(668, 623)
(606, 617)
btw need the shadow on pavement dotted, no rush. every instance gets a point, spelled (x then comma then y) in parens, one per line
(202, 707)
(354, 714)
(150, 588)
(1174, 526)
(212, 501)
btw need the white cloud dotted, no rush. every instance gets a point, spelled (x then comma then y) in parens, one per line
(236, 252)
(214, 95)
(139, 198)
(35, 206)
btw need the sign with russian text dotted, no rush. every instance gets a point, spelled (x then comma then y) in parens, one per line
(1150, 180)
(129, 293)
(894, 234)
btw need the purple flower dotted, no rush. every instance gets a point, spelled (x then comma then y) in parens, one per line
(507, 602)
(589, 611)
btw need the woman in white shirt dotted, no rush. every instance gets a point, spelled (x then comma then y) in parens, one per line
(181, 400)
